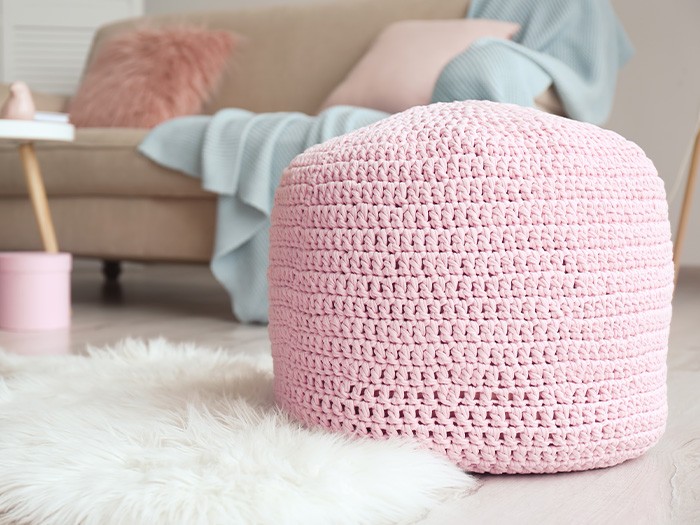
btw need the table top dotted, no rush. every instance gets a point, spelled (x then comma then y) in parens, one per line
(29, 130)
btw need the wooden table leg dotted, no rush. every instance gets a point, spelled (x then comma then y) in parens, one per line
(685, 208)
(37, 193)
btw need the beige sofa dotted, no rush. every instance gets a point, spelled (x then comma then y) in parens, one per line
(111, 203)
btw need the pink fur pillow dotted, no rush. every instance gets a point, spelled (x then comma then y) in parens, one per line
(402, 66)
(141, 78)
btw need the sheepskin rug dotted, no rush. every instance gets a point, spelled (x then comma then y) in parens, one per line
(156, 433)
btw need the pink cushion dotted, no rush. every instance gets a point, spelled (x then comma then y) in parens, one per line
(141, 78)
(491, 280)
(402, 66)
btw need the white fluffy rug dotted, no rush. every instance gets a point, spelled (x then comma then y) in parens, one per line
(154, 433)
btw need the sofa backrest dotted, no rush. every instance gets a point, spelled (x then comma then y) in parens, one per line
(294, 55)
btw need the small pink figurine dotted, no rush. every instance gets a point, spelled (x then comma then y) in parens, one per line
(20, 104)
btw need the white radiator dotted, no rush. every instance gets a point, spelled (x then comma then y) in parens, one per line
(46, 42)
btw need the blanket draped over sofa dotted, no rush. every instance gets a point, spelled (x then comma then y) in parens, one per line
(241, 155)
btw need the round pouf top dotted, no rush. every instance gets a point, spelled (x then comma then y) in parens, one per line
(492, 280)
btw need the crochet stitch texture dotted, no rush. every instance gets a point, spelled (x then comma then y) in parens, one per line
(490, 279)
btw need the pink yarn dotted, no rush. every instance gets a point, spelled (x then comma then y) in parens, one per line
(493, 280)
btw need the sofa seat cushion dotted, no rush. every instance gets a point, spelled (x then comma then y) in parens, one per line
(101, 162)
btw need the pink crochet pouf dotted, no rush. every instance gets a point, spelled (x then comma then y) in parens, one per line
(492, 280)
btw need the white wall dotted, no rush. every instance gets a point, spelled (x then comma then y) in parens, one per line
(658, 97)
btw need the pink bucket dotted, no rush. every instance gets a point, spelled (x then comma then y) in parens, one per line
(34, 291)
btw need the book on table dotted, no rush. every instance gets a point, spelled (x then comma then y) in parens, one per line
(51, 116)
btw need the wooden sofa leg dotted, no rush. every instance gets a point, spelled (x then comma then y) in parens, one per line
(111, 270)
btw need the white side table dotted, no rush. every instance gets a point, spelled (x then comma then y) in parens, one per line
(25, 133)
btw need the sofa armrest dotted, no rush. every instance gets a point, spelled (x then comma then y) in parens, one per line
(43, 101)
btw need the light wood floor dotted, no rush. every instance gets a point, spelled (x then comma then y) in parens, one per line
(184, 303)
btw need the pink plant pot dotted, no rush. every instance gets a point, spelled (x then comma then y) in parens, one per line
(34, 291)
